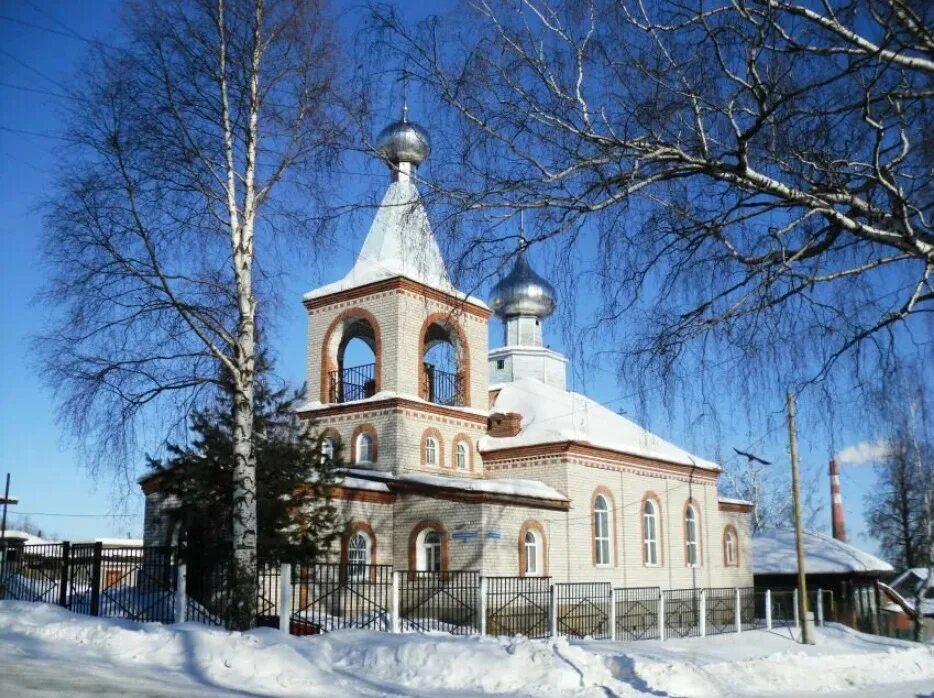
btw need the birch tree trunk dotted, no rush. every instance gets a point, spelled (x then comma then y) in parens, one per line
(152, 230)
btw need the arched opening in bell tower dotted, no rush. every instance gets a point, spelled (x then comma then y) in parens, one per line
(352, 358)
(443, 363)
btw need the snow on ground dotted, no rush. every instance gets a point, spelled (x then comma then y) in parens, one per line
(46, 651)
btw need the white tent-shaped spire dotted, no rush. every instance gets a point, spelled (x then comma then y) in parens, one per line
(400, 243)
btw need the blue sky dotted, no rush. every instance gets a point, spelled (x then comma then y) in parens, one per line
(39, 51)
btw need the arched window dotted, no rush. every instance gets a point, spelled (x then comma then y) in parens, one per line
(431, 551)
(601, 530)
(328, 448)
(730, 547)
(431, 451)
(359, 555)
(533, 566)
(364, 448)
(460, 456)
(649, 533)
(443, 361)
(350, 357)
(690, 536)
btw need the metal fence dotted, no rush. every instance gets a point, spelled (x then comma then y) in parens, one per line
(637, 613)
(446, 601)
(518, 606)
(682, 612)
(151, 584)
(584, 609)
(331, 596)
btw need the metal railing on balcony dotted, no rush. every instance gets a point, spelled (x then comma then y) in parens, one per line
(443, 387)
(354, 383)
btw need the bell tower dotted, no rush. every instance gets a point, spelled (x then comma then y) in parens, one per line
(426, 339)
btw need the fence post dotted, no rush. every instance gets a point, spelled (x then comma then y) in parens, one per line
(661, 614)
(794, 603)
(737, 610)
(768, 609)
(613, 596)
(181, 593)
(395, 621)
(63, 589)
(481, 607)
(285, 597)
(702, 621)
(820, 607)
(96, 579)
(553, 611)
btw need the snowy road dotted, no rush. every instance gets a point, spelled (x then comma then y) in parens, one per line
(46, 651)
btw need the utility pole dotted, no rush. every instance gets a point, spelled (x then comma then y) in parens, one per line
(807, 628)
(927, 524)
(6, 499)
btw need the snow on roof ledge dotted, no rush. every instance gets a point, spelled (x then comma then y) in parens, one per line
(504, 486)
(730, 500)
(773, 552)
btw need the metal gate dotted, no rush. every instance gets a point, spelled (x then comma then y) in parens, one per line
(330, 596)
(584, 609)
(637, 613)
(721, 610)
(682, 613)
(518, 606)
(446, 601)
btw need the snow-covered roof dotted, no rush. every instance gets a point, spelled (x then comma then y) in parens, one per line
(24, 537)
(773, 552)
(359, 483)
(519, 488)
(554, 415)
(731, 500)
(400, 243)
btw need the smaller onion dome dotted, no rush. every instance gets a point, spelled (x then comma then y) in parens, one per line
(522, 291)
(403, 141)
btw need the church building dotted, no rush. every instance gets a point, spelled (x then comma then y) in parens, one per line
(463, 457)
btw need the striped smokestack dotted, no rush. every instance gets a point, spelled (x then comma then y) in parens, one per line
(836, 503)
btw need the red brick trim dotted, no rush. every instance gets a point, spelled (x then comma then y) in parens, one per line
(462, 438)
(691, 502)
(395, 403)
(329, 361)
(461, 347)
(364, 429)
(399, 283)
(585, 450)
(533, 525)
(433, 524)
(349, 494)
(735, 507)
(434, 433)
(730, 530)
(604, 492)
(659, 533)
(352, 528)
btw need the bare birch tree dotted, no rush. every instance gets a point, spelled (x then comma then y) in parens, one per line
(183, 140)
(755, 174)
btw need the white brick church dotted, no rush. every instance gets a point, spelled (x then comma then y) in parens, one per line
(467, 458)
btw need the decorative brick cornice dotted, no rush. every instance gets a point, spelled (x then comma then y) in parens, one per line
(396, 403)
(399, 284)
(607, 456)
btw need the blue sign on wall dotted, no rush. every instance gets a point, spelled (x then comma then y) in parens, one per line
(495, 535)
(464, 535)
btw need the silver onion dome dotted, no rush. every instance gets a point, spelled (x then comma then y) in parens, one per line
(403, 141)
(523, 292)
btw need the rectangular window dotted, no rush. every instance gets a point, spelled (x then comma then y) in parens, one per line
(500, 364)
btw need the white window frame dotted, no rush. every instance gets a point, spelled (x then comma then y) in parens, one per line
(328, 448)
(359, 557)
(601, 531)
(460, 456)
(364, 437)
(431, 450)
(730, 544)
(533, 554)
(650, 533)
(691, 545)
(429, 551)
